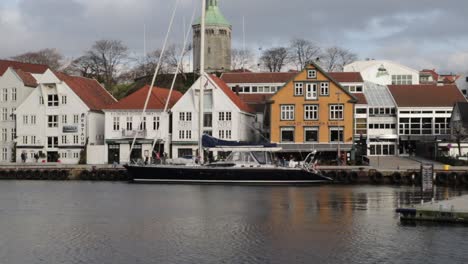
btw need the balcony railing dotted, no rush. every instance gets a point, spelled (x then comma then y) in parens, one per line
(132, 133)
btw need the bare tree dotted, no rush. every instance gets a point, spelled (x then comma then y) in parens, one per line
(274, 59)
(49, 57)
(108, 56)
(302, 51)
(241, 59)
(84, 66)
(335, 58)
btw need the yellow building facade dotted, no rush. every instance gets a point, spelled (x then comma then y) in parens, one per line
(312, 111)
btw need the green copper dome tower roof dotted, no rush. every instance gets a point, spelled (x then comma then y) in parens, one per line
(213, 15)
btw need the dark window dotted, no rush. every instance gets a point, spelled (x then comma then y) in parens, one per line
(361, 110)
(52, 100)
(208, 120)
(287, 134)
(311, 134)
(336, 134)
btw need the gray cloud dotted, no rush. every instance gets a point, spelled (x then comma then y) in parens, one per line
(423, 33)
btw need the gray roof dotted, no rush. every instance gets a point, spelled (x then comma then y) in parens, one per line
(378, 95)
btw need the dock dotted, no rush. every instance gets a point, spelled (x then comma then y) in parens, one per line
(449, 211)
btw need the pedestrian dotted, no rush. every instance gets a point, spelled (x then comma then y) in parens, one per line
(36, 157)
(23, 157)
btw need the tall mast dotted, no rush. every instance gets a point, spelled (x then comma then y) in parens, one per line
(202, 73)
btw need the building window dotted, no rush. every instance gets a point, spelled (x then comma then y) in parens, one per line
(155, 122)
(52, 100)
(64, 140)
(188, 116)
(188, 134)
(33, 140)
(181, 134)
(4, 95)
(33, 120)
(402, 79)
(221, 116)
(4, 114)
(336, 112)
(287, 134)
(25, 140)
(52, 142)
(361, 126)
(116, 123)
(228, 134)
(311, 91)
(13, 133)
(224, 134)
(298, 88)
(4, 135)
(287, 112)
(221, 134)
(129, 123)
(13, 94)
(336, 134)
(143, 123)
(207, 120)
(361, 111)
(76, 155)
(52, 121)
(75, 119)
(64, 99)
(25, 119)
(75, 139)
(324, 88)
(310, 112)
(311, 134)
(182, 116)
(41, 100)
(228, 116)
(13, 114)
(311, 74)
(225, 116)
(4, 154)
(185, 134)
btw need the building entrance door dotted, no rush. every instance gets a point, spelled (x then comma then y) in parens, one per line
(52, 156)
(113, 153)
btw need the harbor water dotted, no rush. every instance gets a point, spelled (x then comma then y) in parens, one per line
(103, 222)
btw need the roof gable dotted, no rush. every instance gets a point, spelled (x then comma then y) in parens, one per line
(230, 94)
(27, 78)
(26, 67)
(314, 66)
(95, 96)
(157, 101)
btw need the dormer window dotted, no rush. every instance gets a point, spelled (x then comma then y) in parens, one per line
(311, 74)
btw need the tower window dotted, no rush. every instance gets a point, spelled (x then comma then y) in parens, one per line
(209, 50)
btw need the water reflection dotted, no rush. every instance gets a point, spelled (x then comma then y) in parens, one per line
(78, 222)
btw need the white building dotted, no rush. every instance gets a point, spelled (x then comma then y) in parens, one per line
(124, 121)
(462, 83)
(16, 83)
(384, 72)
(225, 116)
(423, 113)
(60, 117)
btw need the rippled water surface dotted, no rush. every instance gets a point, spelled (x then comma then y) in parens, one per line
(84, 222)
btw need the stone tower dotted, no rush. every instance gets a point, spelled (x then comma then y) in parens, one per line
(217, 40)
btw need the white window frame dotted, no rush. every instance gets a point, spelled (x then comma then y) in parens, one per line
(13, 94)
(4, 95)
(64, 140)
(129, 123)
(311, 74)
(75, 139)
(52, 121)
(287, 112)
(64, 99)
(336, 112)
(4, 154)
(311, 91)
(311, 112)
(324, 88)
(298, 89)
(4, 114)
(33, 119)
(4, 135)
(76, 119)
(116, 123)
(52, 100)
(156, 122)
(338, 128)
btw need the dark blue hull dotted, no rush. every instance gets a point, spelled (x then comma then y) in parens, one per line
(222, 175)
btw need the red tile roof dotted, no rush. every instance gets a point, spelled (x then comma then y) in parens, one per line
(258, 77)
(259, 98)
(234, 98)
(27, 78)
(157, 101)
(90, 91)
(346, 77)
(426, 95)
(361, 98)
(27, 67)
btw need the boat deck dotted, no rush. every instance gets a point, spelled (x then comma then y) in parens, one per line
(449, 211)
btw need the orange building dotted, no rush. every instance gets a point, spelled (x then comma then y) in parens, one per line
(313, 111)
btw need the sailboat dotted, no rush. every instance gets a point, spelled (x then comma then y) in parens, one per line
(246, 164)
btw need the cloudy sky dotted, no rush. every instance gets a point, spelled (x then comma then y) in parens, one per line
(418, 33)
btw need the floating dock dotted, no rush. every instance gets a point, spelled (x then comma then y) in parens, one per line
(449, 211)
